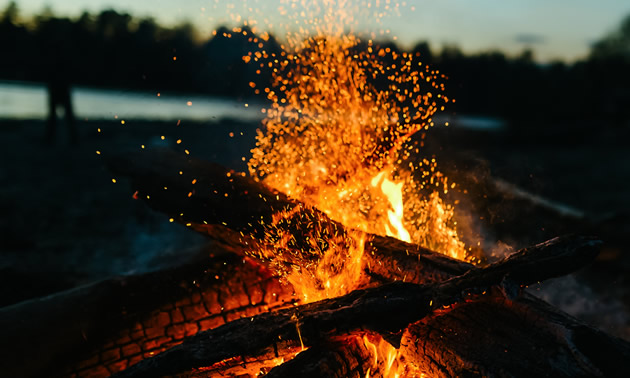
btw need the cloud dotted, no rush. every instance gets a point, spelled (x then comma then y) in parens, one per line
(530, 39)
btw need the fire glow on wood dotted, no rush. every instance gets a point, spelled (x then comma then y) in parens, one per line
(245, 322)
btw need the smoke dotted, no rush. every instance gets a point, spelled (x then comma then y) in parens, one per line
(160, 245)
(581, 301)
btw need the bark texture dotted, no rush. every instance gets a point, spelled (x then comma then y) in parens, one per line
(103, 328)
(520, 338)
(348, 357)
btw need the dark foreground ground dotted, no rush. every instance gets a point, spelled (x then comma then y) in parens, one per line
(64, 222)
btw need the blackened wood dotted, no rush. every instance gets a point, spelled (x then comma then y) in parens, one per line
(229, 207)
(192, 190)
(386, 309)
(347, 357)
(520, 338)
(387, 259)
(101, 328)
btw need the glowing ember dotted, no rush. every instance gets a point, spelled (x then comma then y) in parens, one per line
(328, 261)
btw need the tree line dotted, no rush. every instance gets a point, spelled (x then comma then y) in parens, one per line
(112, 49)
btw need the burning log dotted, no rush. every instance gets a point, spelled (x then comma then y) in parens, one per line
(386, 309)
(386, 259)
(230, 207)
(344, 357)
(111, 325)
(199, 193)
(109, 333)
(102, 328)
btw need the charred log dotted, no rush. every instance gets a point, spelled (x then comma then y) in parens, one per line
(386, 259)
(478, 338)
(102, 328)
(111, 336)
(235, 209)
(200, 192)
(387, 309)
(348, 357)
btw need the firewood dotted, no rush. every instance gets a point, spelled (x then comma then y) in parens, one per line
(101, 328)
(386, 309)
(345, 357)
(525, 337)
(192, 190)
(387, 259)
(230, 207)
(434, 267)
(348, 356)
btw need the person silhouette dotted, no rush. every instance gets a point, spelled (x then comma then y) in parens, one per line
(59, 95)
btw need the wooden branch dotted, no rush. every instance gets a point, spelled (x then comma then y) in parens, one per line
(249, 205)
(386, 309)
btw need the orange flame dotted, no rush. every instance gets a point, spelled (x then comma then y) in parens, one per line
(387, 360)
(340, 137)
(339, 133)
(393, 192)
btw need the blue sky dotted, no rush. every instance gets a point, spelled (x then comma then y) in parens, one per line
(555, 29)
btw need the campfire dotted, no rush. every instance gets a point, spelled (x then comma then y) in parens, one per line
(338, 254)
(409, 313)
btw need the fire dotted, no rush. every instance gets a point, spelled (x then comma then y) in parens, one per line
(387, 360)
(393, 192)
(383, 354)
(343, 135)
(323, 261)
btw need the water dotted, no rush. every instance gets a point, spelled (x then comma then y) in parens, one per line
(20, 100)
(478, 123)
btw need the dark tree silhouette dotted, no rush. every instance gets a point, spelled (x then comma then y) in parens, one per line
(614, 45)
(113, 49)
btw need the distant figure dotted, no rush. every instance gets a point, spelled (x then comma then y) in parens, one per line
(59, 95)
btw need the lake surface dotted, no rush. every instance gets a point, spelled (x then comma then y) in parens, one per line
(20, 100)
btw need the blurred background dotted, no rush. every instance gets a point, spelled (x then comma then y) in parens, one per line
(537, 137)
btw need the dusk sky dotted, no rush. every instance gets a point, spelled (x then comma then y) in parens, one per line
(554, 29)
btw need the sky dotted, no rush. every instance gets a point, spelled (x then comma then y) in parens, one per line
(554, 29)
